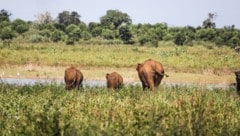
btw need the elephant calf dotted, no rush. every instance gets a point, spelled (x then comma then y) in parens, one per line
(114, 80)
(73, 78)
(150, 73)
(237, 73)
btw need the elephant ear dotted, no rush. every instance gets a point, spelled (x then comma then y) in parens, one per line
(138, 66)
(107, 75)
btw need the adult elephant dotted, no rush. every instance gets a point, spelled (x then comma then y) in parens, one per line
(237, 73)
(150, 73)
(114, 80)
(73, 78)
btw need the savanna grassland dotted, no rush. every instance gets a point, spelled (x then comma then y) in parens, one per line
(47, 109)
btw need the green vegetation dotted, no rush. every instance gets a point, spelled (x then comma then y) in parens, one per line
(195, 59)
(115, 27)
(47, 109)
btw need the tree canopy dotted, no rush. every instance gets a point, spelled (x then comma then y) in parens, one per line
(66, 18)
(114, 27)
(114, 18)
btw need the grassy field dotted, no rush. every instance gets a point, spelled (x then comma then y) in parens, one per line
(47, 109)
(196, 64)
(185, 59)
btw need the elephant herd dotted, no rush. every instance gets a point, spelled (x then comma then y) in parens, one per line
(150, 73)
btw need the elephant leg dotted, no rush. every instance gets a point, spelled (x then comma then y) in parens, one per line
(157, 80)
(150, 81)
(78, 85)
(143, 81)
(144, 86)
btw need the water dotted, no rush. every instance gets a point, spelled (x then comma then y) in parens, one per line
(27, 81)
(102, 83)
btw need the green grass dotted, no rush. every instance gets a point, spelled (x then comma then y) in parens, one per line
(47, 109)
(194, 59)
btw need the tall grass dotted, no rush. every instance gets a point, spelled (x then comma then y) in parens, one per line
(193, 59)
(47, 109)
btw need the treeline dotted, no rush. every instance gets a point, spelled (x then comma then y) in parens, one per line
(115, 28)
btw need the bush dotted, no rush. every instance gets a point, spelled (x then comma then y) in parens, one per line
(97, 31)
(70, 41)
(7, 34)
(233, 42)
(108, 34)
(36, 38)
(207, 34)
(57, 36)
(74, 32)
(125, 34)
(85, 35)
(180, 38)
(20, 26)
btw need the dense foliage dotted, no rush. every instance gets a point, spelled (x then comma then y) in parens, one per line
(116, 27)
(47, 109)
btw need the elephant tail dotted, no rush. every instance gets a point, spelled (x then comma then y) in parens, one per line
(163, 74)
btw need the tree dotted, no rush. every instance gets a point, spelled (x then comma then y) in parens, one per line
(4, 24)
(66, 18)
(95, 29)
(125, 34)
(20, 26)
(74, 18)
(208, 23)
(114, 18)
(44, 18)
(4, 15)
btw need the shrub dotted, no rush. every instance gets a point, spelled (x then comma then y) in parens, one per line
(20, 26)
(36, 38)
(85, 35)
(108, 34)
(57, 36)
(180, 38)
(69, 41)
(7, 34)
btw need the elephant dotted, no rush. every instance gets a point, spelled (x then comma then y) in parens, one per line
(114, 80)
(73, 78)
(150, 73)
(237, 73)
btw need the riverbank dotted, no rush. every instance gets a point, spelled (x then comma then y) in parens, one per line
(129, 74)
